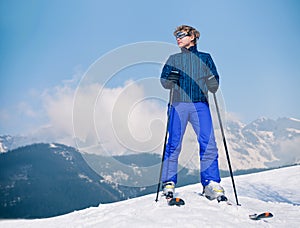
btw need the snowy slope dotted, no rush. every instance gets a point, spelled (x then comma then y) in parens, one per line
(277, 191)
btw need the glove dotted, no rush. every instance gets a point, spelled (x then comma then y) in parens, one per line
(212, 84)
(174, 77)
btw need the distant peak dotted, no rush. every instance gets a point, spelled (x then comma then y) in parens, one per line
(294, 119)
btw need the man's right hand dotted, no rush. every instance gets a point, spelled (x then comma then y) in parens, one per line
(174, 77)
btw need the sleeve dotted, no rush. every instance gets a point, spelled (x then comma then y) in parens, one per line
(212, 68)
(212, 81)
(165, 74)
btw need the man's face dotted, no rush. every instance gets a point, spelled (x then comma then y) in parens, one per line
(184, 40)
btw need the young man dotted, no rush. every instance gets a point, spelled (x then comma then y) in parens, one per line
(191, 74)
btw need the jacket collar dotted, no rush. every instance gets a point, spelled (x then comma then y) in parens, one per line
(192, 49)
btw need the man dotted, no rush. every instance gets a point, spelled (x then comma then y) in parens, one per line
(191, 74)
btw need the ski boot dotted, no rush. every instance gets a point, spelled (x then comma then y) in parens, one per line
(214, 191)
(169, 189)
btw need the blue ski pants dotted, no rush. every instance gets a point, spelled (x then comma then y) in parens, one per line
(198, 114)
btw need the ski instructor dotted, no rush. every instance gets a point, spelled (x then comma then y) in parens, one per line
(191, 74)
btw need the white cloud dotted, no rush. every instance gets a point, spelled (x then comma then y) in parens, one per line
(112, 120)
(58, 106)
(125, 119)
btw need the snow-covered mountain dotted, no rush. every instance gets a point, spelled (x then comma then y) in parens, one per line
(263, 143)
(257, 193)
(44, 180)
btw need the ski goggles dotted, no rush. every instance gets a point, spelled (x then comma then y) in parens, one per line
(180, 35)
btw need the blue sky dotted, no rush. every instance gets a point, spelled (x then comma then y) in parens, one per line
(45, 44)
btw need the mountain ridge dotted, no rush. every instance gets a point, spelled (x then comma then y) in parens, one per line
(44, 180)
(262, 143)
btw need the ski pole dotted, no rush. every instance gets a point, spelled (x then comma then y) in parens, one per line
(165, 142)
(226, 149)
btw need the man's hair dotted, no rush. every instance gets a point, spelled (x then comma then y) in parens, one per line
(189, 30)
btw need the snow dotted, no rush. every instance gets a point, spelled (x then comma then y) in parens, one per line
(293, 130)
(82, 176)
(294, 119)
(276, 191)
(2, 148)
(52, 145)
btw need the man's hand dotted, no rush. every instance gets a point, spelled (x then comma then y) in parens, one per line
(212, 84)
(174, 77)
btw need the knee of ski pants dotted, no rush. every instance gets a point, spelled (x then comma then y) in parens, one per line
(210, 149)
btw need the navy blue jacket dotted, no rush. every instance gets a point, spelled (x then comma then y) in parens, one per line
(194, 68)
